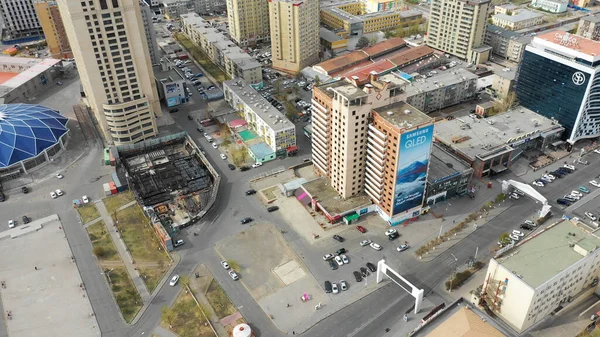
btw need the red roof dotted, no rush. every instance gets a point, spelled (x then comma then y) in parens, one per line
(363, 72)
(342, 62)
(237, 123)
(385, 47)
(408, 56)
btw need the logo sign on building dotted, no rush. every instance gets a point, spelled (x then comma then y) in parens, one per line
(411, 177)
(565, 39)
(578, 78)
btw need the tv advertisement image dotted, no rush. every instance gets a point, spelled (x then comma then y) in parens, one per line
(411, 177)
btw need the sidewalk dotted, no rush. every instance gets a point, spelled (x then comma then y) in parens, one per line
(162, 332)
(122, 249)
(199, 287)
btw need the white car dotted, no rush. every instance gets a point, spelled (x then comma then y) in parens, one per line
(514, 237)
(234, 276)
(327, 257)
(339, 261)
(214, 145)
(343, 285)
(225, 265)
(59, 176)
(375, 246)
(595, 183)
(85, 199)
(174, 280)
(549, 177)
(390, 231)
(515, 196)
(365, 243)
(345, 259)
(334, 288)
(530, 223)
(53, 195)
(518, 233)
(597, 151)
(11, 223)
(59, 192)
(538, 183)
(570, 167)
(257, 165)
(588, 214)
(577, 193)
(223, 156)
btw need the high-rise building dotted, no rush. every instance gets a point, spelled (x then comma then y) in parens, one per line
(54, 30)
(295, 41)
(457, 27)
(248, 21)
(558, 78)
(147, 15)
(20, 19)
(110, 47)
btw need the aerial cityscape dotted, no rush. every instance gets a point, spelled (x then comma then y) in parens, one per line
(321, 168)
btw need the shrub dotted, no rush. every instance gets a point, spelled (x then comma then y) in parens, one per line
(99, 251)
(458, 280)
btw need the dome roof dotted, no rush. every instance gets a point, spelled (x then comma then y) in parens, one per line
(26, 130)
(242, 330)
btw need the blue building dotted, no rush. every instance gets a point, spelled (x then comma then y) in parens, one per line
(558, 79)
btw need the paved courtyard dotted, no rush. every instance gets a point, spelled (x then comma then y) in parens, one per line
(42, 287)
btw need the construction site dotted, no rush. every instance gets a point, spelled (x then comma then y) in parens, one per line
(170, 178)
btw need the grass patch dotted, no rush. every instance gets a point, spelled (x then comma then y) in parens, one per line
(113, 202)
(270, 193)
(128, 299)
(139, 236)
(103, 246)
(185, 318)
(153, 275)
(202, 58)
(88, 213)
(219, 301)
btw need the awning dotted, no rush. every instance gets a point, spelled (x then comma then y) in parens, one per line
(498, 168)
(292, 148)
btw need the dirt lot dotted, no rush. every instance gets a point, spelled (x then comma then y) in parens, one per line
(258, 251)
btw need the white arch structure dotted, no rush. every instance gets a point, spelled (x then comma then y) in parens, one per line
(384, 269)
(530, 191)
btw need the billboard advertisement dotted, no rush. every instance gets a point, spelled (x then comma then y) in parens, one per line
(172, 101)
(171, 87)
(411, 177)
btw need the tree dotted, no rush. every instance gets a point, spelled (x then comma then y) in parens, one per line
(504, 239)
(291, 111)
(99, 251)
(362, 42)
(373, 40)
(238, 156)
(317, 80)
(277, 85)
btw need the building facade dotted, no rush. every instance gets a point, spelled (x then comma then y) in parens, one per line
(20, 20)
(517, 19)
(248, 21)
(552, 6)
(558, 78)
(589, 28)
(448, 176)
(147, 15)
(54, 30)
(505, 43)
(110, 47)
(457, 27)
(294, 34)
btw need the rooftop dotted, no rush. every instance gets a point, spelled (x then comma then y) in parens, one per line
(337, 12)
(330, 200)
(444, 164)
(28, 69)
(386, 46)
(493, 29)
(410, 55)
(550, 252)
(328, 35)
(591, 18)
(258, 104)
(443, 79)
(518, 16)
(473, 137)
(362, 74)
(509, 75)
(576, 43)
(403, 115)
(463, 322)
(343, 61)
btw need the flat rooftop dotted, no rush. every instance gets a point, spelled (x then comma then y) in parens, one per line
(472, 136)
(26, 69)
(47, 301)
(403, 115)
(549, 253)
(571, 41)
(442, 79)
(592, 18)
(330, 199)
(458, 321)
(519, 15)
(442, 164)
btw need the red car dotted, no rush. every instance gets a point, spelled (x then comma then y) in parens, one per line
(361, 229)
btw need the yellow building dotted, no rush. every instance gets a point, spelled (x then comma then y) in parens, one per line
(54, 30)
(248, 21)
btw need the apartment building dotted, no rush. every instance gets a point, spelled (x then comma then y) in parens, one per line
(589, 28)
(248, 21)
(517, 19)
(111, 50)
(147, 15)
(527, 283)
(552, 6)
(54, 30)
(506, 43)
(220, 49)
(457, 27)
(20, 20)
(295, 41)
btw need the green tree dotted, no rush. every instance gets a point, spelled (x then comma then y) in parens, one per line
(290, 110)
(317, 80)
(373, 40)
(277, 85)
(362, 42)
(504, 239)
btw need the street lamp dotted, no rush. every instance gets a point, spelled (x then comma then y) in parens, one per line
(108, 275)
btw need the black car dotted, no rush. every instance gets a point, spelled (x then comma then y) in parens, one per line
(190, 118)
(340, 251)
(24, 189)
(173, 110)
(250, 192)
(200, 129)
(357, 276)
(526, 226)
(557, 174)
(371, 267)
(566, 169)
(244, 168)
(25, 219)
(338, 238)
(333, 264)
(327, 286)
(246, 220)
(364, 272)
(272, 208)
(563, 170)
(231, 166)
(393, 236)
(563, 201)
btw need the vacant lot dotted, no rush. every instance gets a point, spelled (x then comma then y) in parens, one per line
(219, 301)
(103, 246)
(128, 299)
(153, 274)
(185, 318)
(113, 202)
(202, 58)
(88, 213)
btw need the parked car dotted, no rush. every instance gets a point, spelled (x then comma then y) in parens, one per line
(402, 247)
(327, 286)
(570, 167)
(517, 233)
(344, 259)
(514, 237)
(365, 243)
(530, 223)
(250, 192)
(225, 265)
(538, 183)
(563, 201)
(234, 276)
(231, 166)
(595, 183)
(174, 280)
(215, 145)
(85, 199)
(375, 246)
(393, 236)
(357, 276)
(328, 257)
(333, 265)
(340, 251)
(334, 288)
(11, 223)
(343, 285)
(339, 261)
(24, 189)
(526, 227)
(257, 164)
(58, 192)
(246, 220)
(223, 156)
(179, 243)
(372, 267)
(361, 229)
(514, 196)
(584, 189)
(53, 195)
(59, 176)
(577, 193)
(364, 272)
(272, 208)
(244, 168)
(391, 231)
(25, 219)
(338, 238)
(190, 118)
(591, 216)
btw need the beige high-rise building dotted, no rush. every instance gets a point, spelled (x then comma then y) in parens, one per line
(295, 40)
(248, 21)
(54, 30)
(110, 47)
(457, 27)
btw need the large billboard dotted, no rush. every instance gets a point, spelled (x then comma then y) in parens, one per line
(172, 101)
(413, 160)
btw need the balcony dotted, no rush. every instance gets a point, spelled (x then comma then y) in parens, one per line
(319, 165)
(377, 133)
(379, 156)
(318, 106)
(321, 121)
(376, 175)
(378, 186)
(376, 148)
(373, 196)
(375, 167)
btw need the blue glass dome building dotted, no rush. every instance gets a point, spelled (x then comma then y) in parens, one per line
(29, 131)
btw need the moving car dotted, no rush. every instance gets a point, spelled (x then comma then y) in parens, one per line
(375, 246)
(246, 220)
(234, 276)
(225, 265)
(272, 208)
(223, 156)
(85, 199)
(25, 219)
(328, 257)
(179, 243)
(361, 229)
(402, 248)
(174, 280)
(334, 288)
(584, 189)
(357, 276)
(365, 243)
(595, 183)
(250, 192)
(591, 216)
(11, 223)
(344, 259)
(59, 176)
(391, 231)
(343, 285)
(327, 286)
(339, 261)
(338, 238)
(256, 165)
(231, 166)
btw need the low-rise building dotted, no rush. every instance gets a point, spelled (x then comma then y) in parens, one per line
(552, 6)
(526, 283)
(517, 19)
(448, 176)
(505, 9)
(506, 43)
(268, 123)
(174, 9)
(23, 78)
(170, 86)
(504, 82)
(220, 49)
(589, 28)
